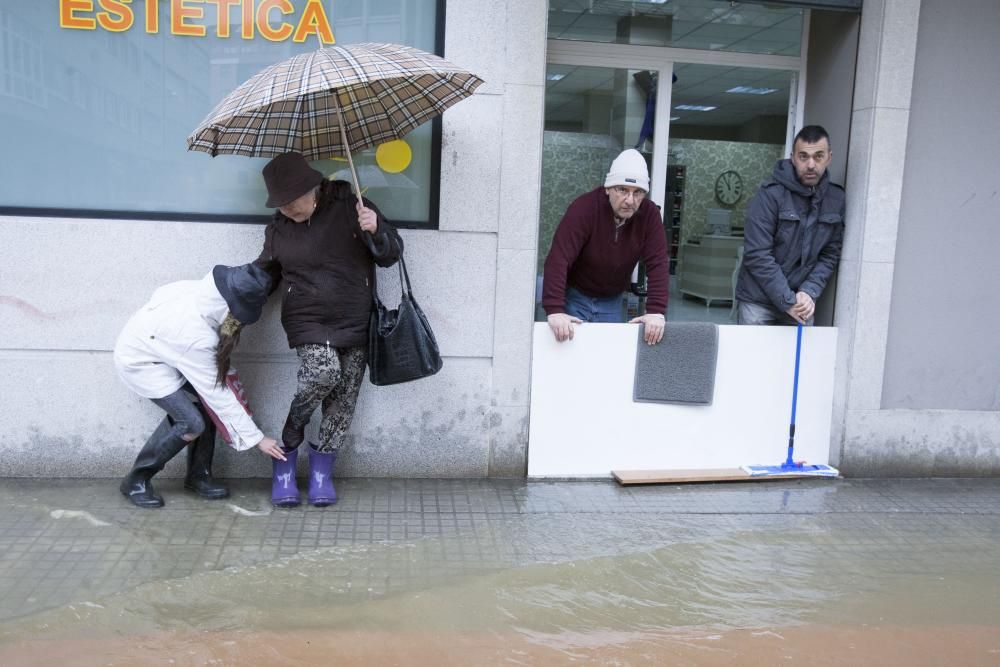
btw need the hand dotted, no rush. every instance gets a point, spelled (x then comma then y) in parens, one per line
(366, 218)
(803, 309)
(562, 326)
(653, 323)
(271, 447)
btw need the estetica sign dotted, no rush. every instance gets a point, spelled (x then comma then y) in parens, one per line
(274, 20)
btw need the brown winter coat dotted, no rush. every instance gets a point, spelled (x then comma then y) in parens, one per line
(327, 269)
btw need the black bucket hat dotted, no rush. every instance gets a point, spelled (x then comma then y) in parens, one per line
(245, 289)
(287, 178)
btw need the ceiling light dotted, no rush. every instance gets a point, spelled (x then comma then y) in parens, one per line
(675, 118)
(555, 77)
(749, 90)
(694, 107)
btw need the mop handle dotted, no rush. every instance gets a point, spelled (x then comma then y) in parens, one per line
(795, 395)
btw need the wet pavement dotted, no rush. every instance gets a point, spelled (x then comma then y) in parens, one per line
(470, 572)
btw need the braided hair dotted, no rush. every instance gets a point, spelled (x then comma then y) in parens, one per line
(229, 337)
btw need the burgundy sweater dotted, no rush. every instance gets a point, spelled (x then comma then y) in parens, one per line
(588, 253)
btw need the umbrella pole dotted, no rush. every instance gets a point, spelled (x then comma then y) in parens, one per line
(354, 174)
(347, 151)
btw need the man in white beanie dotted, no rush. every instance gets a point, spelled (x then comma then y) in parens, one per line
(598, 242)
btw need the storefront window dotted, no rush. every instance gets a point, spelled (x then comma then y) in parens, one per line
(97, 99)
(726, 128)
(717, 25)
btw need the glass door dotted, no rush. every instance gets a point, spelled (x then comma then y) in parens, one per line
(728, 128)
(710, 139)
(710, 135)
(591, 115)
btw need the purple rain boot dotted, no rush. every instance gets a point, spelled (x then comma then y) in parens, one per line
(321, 491)
(284, 492)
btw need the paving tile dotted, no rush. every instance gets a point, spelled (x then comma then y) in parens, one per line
(432, 530)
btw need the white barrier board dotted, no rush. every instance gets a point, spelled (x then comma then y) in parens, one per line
(585, 424)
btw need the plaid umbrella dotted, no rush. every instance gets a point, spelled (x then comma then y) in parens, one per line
(334, 100)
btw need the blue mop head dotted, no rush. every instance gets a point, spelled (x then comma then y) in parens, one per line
(798, 470)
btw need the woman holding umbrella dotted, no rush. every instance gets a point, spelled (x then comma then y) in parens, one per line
(176, 348)
(325, 244)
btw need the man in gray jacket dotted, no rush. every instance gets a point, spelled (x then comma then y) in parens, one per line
(792, 237)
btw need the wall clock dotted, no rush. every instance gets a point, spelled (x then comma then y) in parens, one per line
(729, 187)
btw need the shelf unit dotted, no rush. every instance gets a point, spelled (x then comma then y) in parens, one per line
(672, 211)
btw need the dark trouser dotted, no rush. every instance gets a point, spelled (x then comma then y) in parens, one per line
(182, 425)
(766, 314)
(187, 418)
(594, 309)
(330, 376)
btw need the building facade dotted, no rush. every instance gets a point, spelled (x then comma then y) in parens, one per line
(85, 238)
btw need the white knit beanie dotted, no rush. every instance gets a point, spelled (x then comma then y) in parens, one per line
(629, 168)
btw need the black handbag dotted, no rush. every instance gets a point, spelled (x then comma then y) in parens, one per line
(401, 344)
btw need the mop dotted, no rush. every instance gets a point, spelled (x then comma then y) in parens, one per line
(792, 468)
(751, 473)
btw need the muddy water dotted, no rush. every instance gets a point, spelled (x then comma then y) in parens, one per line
(795, 591)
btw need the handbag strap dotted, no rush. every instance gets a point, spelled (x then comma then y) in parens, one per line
(404, 276)
(403, 273)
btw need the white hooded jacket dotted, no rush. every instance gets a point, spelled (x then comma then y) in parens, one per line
(173, 339)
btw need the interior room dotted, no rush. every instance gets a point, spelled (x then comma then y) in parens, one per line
(726, 127)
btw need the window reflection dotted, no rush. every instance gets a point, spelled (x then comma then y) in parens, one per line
(107, 113)
(692, 24)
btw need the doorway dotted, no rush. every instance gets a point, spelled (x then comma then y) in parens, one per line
(709, 138)
(728, 128)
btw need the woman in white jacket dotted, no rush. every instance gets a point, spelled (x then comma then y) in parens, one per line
(180, 342)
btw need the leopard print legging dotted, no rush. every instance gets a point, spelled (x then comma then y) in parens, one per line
(331, 376)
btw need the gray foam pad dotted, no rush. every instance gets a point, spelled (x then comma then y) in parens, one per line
(680, 368)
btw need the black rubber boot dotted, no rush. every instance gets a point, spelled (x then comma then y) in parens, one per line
(199, 466)
(160, 448)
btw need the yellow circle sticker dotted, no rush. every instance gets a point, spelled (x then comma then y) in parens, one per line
(393, 156)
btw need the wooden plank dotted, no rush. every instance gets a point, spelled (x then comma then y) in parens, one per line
(627, 477)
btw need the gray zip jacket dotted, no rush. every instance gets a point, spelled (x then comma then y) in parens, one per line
(792, 239)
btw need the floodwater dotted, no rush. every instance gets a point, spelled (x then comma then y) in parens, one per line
(604, 589)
